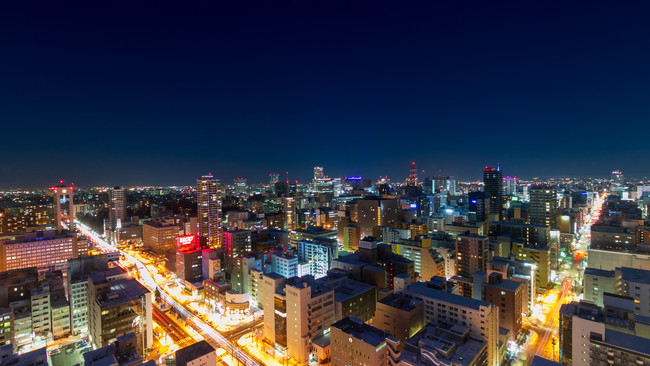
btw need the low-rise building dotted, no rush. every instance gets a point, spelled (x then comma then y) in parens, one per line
(356, 343)
(400, 316)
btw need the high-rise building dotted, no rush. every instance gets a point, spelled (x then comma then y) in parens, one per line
(299, 311)
(510, 186)
(472, 254)
(236, 243)
(79, 269)
(117, 201)
(273, 178)
(480, 318)
(289, 209)
(375, 211)
(64, 203)
(189, 259)
(208, 196)
(42, 249)
(116, 308)
(319, 255)
(543, 205)
(493, 188)
(159, 236)
(618, 179)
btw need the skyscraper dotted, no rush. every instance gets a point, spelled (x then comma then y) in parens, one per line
(117, 215)
(543, 202)
(617, 178)
(208, 196)
(493, 188)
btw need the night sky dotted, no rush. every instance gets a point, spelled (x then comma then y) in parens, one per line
(161, 93)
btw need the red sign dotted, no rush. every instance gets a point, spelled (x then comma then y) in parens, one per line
(186, 243)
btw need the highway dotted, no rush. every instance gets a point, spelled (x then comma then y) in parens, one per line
(210, 335)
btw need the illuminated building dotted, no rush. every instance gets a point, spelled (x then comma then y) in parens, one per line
(42, 249)
(64, 203)
(117, 214)
(356, 343)
(612, 335)
(311, 233)
(446, 343)
(351, 237)
(471, 254)
(288, 265)
(493, 189)
(596, 282)
(481, 318)
(236, 243)
(289, 209)
(634, 283)
(318, 255)
(445, 185)
(159, 236)
(540, 255)
(375, 211)
(543, 203)
(252, 277)
(208, 196)
(510, 186)
(508, 295)
(240, 186)
(618, 179)
(351, 298)
(189, 260)
(400, 316)
(297, 311)
(211, 264)
(426, 260)
(6, 327)
(116, 308)
(79, 269)
(200, 353)
(520, 271)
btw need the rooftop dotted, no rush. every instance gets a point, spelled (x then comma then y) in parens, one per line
(401, 302)
(354, 327)
(421, 289)
(589, 271)
(192, 352)
(634, 275)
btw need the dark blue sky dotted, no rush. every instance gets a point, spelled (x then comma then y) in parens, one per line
(161, 93)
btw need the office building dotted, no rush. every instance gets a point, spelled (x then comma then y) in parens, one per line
(300, 309)
(117, 202)
(351, 237)
(189, 259)
(508, 296)
(540, 256)
(356, 343)
(444, 343)
(375, 211)
(427, 261)
(596, 282)
(208, 197)
(400, 316)
(116, 308)
(236, 243)
(612, 335)
(289, 210)
(480, 317)
(520, 271)
(41, 249)
(472, 254)
(634, 283)
(493, 189)
(319, 255)
(159, 236)
(543, 205)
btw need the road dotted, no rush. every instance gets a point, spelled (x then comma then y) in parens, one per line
(547, 328)
(210, 335)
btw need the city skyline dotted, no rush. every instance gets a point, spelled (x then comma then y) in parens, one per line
(110, 96)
